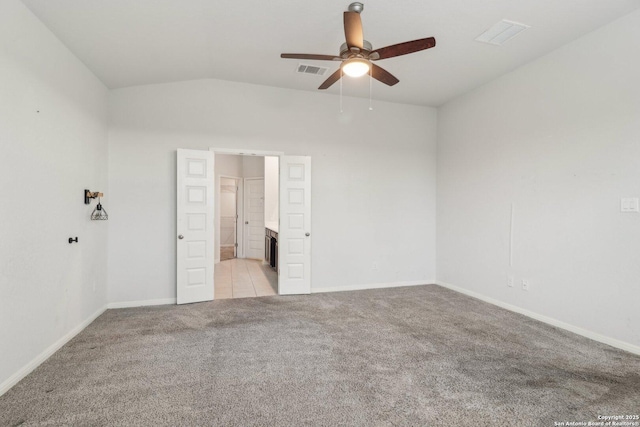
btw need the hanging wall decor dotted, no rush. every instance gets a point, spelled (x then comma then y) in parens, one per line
(99, 213)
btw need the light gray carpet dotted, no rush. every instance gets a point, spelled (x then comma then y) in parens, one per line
(405, 356)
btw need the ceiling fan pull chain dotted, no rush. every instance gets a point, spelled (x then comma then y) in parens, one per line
(370, 87)
(341, 89)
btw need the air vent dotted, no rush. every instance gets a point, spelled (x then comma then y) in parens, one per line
(501, 32)
(312, 69)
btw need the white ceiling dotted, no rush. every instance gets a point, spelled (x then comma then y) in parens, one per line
(136, 42)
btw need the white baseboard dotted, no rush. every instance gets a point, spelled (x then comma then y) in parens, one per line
(33, 364)
(631, 348)
(128, 304)
(371, 286)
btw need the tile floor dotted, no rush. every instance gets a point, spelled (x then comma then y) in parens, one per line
(244, 278)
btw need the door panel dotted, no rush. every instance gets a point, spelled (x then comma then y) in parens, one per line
(294, 236)
(194, 225)
(254, 217)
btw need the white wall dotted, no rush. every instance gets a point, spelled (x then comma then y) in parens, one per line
(373, 178)
(560, 140)
(252, 166)
(53, 137)
(271, 190)
(228, 165)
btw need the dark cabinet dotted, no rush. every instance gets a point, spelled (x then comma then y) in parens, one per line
(271, 248)
(267, 247)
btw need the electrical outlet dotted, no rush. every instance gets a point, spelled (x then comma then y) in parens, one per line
(510, 281)
(630, 204)
(525, 285)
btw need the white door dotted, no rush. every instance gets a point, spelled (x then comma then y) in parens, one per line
(254, 218)
(294, 236)
(195, 226)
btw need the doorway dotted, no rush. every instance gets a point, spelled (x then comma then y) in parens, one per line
(198, 271)
(246, 184)
(229, 189)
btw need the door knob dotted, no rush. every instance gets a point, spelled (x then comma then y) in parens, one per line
(246, 222)
(181, 237)
(307, 234)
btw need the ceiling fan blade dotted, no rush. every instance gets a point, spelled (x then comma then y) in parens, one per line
(383, 75)
(402, 48)
(310, 56)
(331, 80)
(353, 30)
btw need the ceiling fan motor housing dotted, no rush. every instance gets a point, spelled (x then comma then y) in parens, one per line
(346, 53)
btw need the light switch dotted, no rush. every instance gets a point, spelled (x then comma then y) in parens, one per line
(629, 204)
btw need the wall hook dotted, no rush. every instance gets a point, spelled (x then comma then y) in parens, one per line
(71, 240)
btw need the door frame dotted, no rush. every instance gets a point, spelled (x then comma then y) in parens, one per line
(239, 213)
(251, 152)
(248, 152)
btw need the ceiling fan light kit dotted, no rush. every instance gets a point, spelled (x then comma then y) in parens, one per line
(356, 67)
(357, 54)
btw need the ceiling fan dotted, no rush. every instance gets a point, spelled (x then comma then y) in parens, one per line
(356, 54)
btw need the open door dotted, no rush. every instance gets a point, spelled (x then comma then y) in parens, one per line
(195, 230)
(294, 236)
